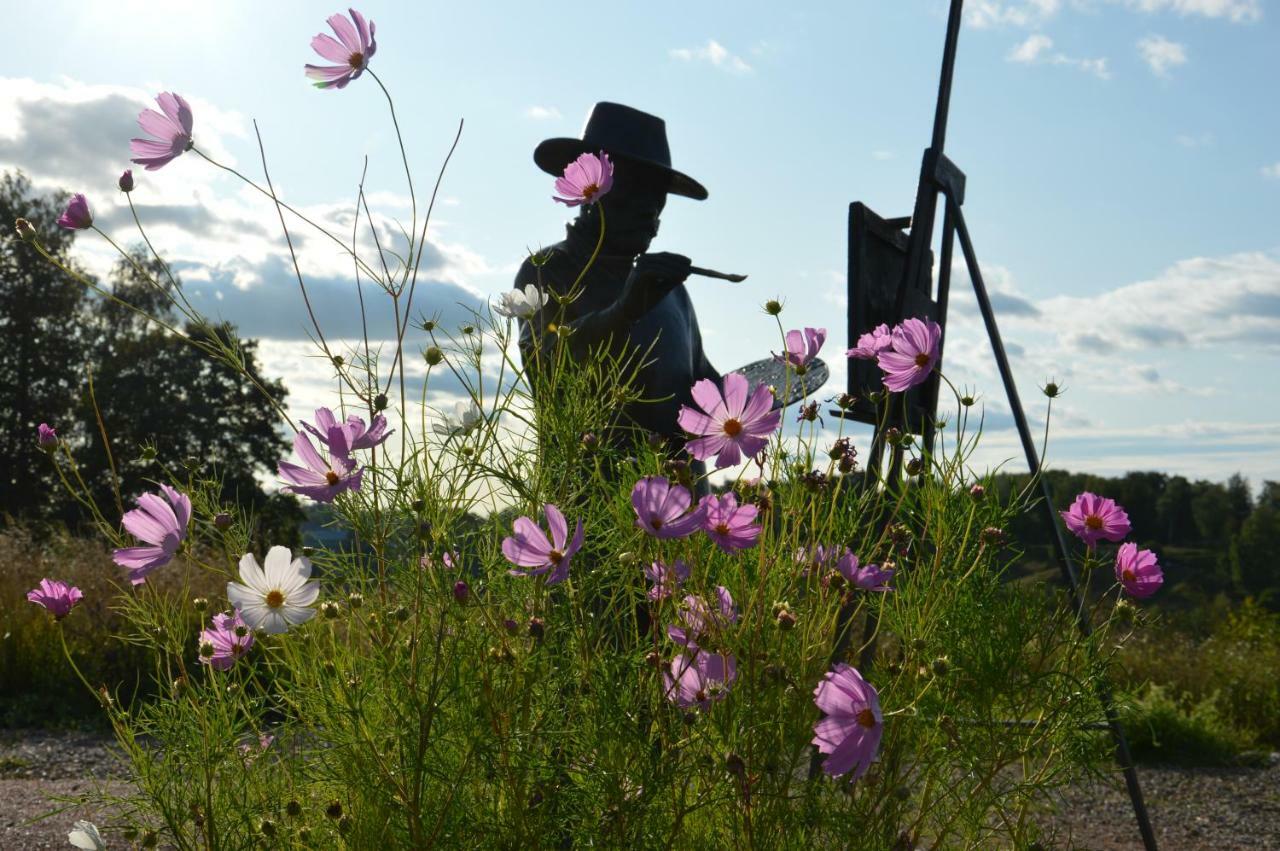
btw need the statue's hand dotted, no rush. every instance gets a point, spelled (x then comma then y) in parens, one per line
(652, 277)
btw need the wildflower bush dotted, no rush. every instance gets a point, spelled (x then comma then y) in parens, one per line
(618, 654)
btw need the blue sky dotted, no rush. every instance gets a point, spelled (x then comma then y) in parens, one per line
(1123, 159)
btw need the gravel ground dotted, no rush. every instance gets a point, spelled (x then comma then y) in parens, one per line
(1223, 809)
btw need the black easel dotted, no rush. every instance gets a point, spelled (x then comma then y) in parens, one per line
(940, 176)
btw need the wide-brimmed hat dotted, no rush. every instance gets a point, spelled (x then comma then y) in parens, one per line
(624, 134)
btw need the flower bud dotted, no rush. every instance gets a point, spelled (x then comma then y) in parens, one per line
(333, 810)
(941, 666)
(433, 355)
(26, 230)
(735, 765)
(845, 401)
(338, 361)
(1126, 612)
(304, 836)
(380, 402)
(428, 325)
(126, 180)
(200, 604)
(355, 599)
(786, 619)
(537, 628)
(977, 492)
(330, 610)
(206, 649)
(653, 659)
(150, 839)
(510, 626)
(773, 307)
(468, 329)
(992, 536)
(293, 809)
(590, 443)
(399, 613)
(1052, 390)
(417, 505)
(967, 400)
(914, 467)
(461, 591)
(267, 828)
(46, 437)
(893, 436)
(241, 630)
(222, 521)
(918, 644)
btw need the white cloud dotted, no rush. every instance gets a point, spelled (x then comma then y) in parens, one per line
(995, 13)
(1272, 171)
(1161, 54)
(1236, 11)
(542, 113)
(1195, 140)
(882, 155)
(1030, 50)
(1037, 49)
(714, 53)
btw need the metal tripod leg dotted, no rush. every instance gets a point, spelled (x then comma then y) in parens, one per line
(1064, 558)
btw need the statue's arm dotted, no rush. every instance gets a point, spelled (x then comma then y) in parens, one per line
(587, 328)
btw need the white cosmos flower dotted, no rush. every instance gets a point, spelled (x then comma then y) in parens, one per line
(85, 835)
(277, 598)
(521, 303)
(465, 419)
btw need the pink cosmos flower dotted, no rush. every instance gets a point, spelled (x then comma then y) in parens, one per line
(802, 347)
(322, 479)
(449, 560)
(666, 578)
(585, 180)
(1137, 571)
(696, 681)
(730, 525)
(871, 344)
(160, 523)
(911, 355)
(225, 642)
(660, 508)
(359, 436)
(529, 546)
(815, 558)
(868, 577)
(1093, 518)
(352, 50)
(251, 750)
(56, 596)
(46, 437)
(171, 128)
(77, 215)
(698, 621)
(850, 733)
(730, 424)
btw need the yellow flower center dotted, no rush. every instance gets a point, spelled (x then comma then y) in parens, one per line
(275, 598)
(589, 191)
(1093, 522)
(655, 522)
(866, 718)
(922, 360)
(722, 528)
(356, 60)
(555, 556)
(1128, 575)
(331, 477)
(732, 427)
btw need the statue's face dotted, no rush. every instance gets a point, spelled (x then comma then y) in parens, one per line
(632, 208)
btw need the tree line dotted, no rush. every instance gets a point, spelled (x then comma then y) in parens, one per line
(1223, 528)
(130, 399)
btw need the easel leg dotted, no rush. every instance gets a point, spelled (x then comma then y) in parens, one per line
(1064, 558)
